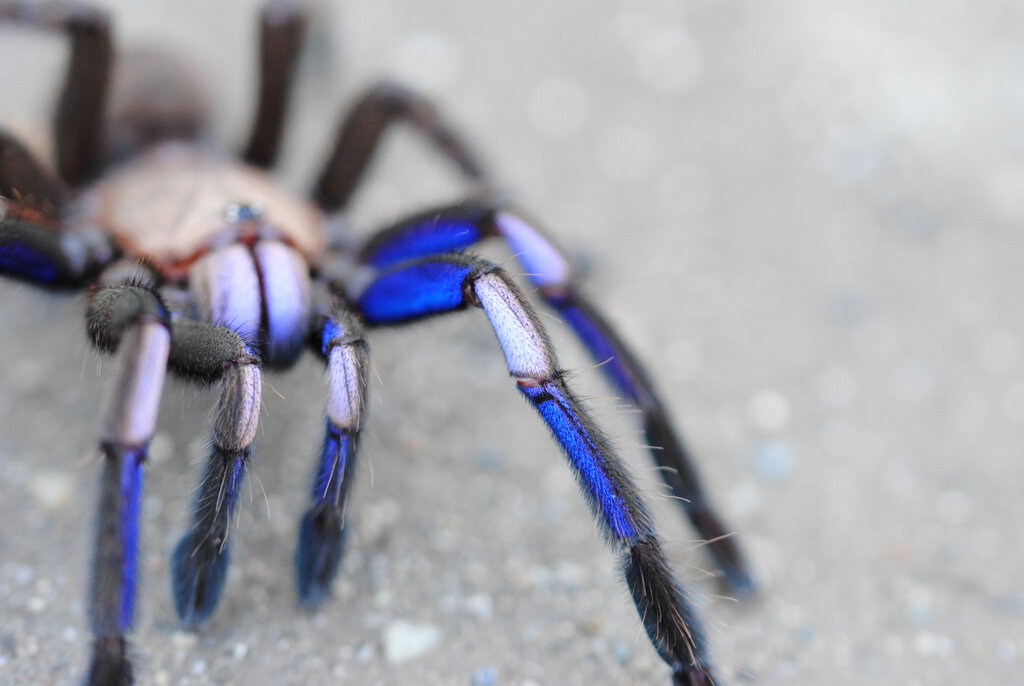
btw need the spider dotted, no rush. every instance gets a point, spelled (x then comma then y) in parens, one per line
(197, 263)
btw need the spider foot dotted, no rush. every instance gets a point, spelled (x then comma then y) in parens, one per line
(692, 677)
(110, 665)
(322, 538)
(199, 566)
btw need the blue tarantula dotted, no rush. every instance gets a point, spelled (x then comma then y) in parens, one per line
(199, 264)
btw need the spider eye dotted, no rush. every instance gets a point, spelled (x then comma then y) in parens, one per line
(242, 212)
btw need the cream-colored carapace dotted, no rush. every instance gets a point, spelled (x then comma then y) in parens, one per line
(173, 203)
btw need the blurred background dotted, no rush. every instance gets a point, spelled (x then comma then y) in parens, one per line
(805, 216)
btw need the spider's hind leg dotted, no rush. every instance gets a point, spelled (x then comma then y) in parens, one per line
(457, 227)
(155, 97)
(436, 285)
(380, 108)
(79, 123)
(283, 26)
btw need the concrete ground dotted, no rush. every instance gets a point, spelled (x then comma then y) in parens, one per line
(807, 217)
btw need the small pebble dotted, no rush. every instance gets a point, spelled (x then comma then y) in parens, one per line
(480, 606)
(184, 640)
(53, 489)
(772, 461)
(35, 604)
(769, 410)
(404, 641)
(22, 575)
(364, 653)
(484, 676)
(928, 643)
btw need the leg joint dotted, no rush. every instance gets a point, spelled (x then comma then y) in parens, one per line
(114, 309)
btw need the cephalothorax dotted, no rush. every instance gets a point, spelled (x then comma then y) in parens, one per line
(201, 265)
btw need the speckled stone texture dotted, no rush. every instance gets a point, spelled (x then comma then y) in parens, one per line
(806, 216)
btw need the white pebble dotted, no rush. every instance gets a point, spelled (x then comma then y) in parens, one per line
(769, 410)
(364, 653)
(161, 448)
(404, 640)
(745, 498)
(184, 640)
(928, 643)
(52, 489)
(773, 461)
(480, 605)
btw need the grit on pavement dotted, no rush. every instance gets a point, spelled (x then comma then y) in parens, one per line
(807, 217)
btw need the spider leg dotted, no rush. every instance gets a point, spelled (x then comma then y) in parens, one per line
(360, 134)
(282, 30)
(154, 98)
(207, 352)
(32, 245)
(79, 123)
(339, 339)
(457, 227)
(131, 320)
(453, 282)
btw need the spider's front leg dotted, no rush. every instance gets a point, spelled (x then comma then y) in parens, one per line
(131, 320)
(444, 284)
(338, 338)
(207, 352)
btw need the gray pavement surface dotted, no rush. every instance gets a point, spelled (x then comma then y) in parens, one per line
(806, 216)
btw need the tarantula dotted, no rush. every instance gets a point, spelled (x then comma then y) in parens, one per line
(197, 263)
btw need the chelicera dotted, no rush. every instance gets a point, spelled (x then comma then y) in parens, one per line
(197, 263)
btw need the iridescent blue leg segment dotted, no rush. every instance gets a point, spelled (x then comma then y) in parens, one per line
(200, 560)
(668, 449)
(132, 321)
(32, 246)
(443, 284)
(455, 228)
(322, 532)
(206, 352)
